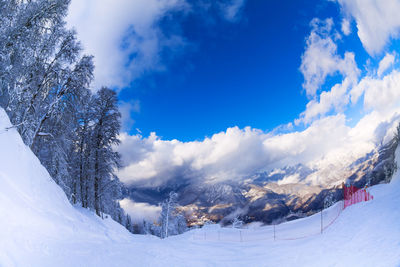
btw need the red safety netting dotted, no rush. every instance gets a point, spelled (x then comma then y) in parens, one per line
(353, 195)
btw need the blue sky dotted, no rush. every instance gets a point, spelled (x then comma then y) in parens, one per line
(241, 73)
(220, 90)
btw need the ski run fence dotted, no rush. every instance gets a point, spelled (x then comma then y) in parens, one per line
(292, 230)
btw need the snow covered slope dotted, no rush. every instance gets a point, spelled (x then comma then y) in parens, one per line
(366, 234)
(38, 227)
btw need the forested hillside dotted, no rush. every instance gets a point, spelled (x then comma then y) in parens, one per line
(45, 90)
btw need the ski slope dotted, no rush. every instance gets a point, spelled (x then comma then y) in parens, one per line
(39, 227)
(293, 230)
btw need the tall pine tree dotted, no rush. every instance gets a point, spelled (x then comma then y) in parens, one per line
(106, 119)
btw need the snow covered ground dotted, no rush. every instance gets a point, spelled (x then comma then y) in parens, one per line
(38, 227)
(296, 229)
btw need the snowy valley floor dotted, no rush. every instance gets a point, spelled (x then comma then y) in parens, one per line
(40, 228)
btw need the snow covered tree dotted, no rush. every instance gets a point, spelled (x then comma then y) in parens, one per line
(81, 152)
(42, 66)
(44, 81)
(172, 221)
(397, 135)
(43, 78)
(329, 200)
(106, 126)
(148, 228)
(237, 223)
(128, 223)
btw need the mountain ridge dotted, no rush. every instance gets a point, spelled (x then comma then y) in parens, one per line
(269, 196)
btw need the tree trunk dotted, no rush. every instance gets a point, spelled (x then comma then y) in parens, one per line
(97, 176)
(96, 189)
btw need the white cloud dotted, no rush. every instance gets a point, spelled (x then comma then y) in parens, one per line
(155, 161)
(319, 61)
(379, 93)
(337, 98)
(123, 36)
(238, 153)
(386, 63)
(377, 21)
(320, 58)
(232, 9)
(139, 211)
(346, 26)
(126, 109)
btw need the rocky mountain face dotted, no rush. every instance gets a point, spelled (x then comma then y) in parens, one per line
(264, 197)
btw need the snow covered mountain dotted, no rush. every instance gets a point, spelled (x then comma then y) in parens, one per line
(276, 195)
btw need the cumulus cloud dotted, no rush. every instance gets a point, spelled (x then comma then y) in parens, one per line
(123, 36)
(385, 63)
(157, 161)
(336, 99)
(139, 211)
(321, 59)
(377, 21)
(346, 27)
(236, 154)
(379, 93)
